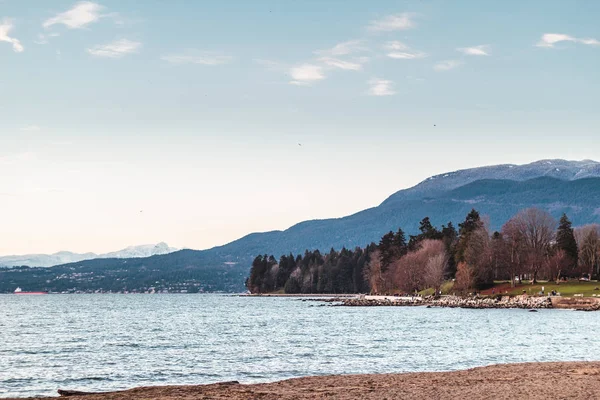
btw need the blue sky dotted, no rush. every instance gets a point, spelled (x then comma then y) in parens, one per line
(126, 122)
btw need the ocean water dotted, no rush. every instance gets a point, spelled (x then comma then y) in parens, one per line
(109, 342)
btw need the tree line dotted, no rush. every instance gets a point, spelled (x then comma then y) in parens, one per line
(532, 245)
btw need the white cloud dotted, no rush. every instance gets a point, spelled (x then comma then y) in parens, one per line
(82, 14)
(306, 74)
(399, 50)
(116, 49)
(406, 55)
(390, 23)
(481, 50)
(381, 87)
(195, 57)
(341, 64)
(344, 48)
(395, 45)
(6, 26)
(590, 41)
(30, 128)
(447, 65)
(331, 57)
(550, 39)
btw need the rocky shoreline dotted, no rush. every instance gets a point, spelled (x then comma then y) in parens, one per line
(475, 302)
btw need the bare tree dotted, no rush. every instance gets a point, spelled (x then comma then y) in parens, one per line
(536, 229)
(511, 237)
(408, 272)
(479, 257)
(373, 273)
(588, 242)
(464, 279)
(557, 264)
(422, 268)
(434, 271)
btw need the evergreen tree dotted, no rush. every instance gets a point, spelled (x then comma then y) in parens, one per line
(565, 240)
(428, 231)
(256, 275)
(386, 249)
(450, 238)
(287, 265)
(399, 243)
(471, 223)
(292, 286)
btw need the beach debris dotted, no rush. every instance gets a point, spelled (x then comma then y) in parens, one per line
(69, 393)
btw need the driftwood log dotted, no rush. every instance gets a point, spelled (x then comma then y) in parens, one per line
(68, 393)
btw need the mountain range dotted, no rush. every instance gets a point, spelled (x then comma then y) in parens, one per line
(65, 257)
(499, 192)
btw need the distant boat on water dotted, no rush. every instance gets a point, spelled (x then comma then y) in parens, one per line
(20, 291)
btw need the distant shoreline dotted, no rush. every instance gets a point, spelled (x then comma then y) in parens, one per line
(305, 295)
(573, 380)
(476, 302)
(473, 302)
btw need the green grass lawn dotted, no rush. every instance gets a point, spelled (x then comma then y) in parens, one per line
(446, 289)
(564, 288)
(503, 287)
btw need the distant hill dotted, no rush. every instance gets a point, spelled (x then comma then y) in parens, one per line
(64, 257)
(498, 191)
(182, 271)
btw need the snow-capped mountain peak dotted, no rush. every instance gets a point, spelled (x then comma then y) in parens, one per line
(65, 257)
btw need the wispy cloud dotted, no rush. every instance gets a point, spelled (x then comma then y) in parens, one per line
(381, 87)
(30, 128)
(395, 45)
(337, 56)
(399, 50)
(481, 50)
(196, 57)
(344, 48)
(306, 74)
(397, 22)
(342, 64)
(6, 26)
(447, 65)
(406, 55)
(81, 15)
(116, 49)
(548, 40)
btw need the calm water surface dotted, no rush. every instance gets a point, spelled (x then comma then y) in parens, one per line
(108, 342)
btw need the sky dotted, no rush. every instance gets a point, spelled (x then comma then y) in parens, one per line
(196, 123)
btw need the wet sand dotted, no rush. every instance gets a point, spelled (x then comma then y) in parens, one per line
(573, 380)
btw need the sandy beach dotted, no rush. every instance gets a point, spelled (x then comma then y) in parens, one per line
(572, 380)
